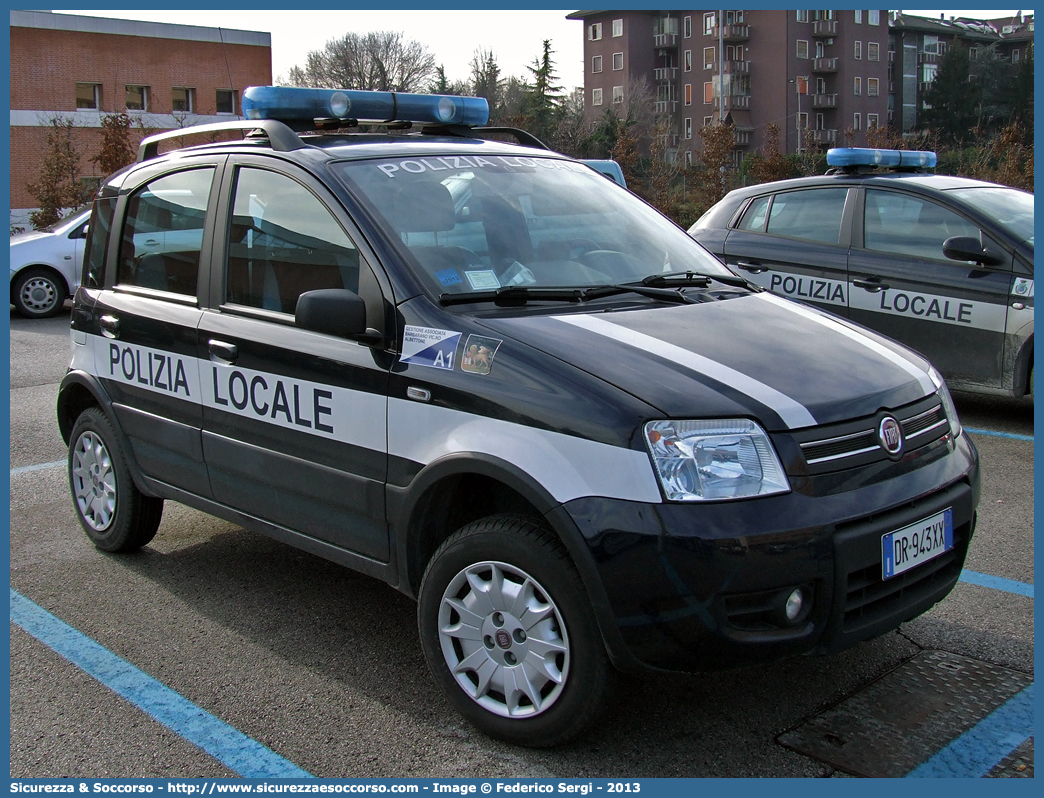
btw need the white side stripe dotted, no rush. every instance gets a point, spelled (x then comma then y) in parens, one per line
(794, 414)
(814, 315)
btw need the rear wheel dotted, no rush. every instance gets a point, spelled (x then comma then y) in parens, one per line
(509, 634)
(38, 293)
(115, 515)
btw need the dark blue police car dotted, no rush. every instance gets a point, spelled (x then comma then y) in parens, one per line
(490, 377)
(942, 264)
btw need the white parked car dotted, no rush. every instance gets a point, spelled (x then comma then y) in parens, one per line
(45, 265)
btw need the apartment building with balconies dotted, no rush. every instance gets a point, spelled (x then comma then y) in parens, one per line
(819, 71)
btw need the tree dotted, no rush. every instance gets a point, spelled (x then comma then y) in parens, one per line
(770, 163)
(441, 85)
(1019, 93)
(571, 136)
(950, 107)
(116, 148)
(58, 187)
(541, 101)
(487, 82)
(718, 143)
(375, 61)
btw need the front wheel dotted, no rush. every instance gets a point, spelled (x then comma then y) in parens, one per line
(508, 631)
(115, 515)
(38, 293)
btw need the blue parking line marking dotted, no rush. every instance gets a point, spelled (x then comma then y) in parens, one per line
(37, 467)
(997, 583)
(1012, 435)
(976, 752)
(230, 747)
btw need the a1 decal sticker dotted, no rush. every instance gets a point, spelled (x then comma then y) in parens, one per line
(424, 346)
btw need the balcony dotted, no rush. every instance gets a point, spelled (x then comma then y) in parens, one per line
(665, 73)
(665, 39)
(741, 136)
(736, 67)
(824, 65)
(825, 136)
(735, 33)
(924, 57)
(824, 100)
(666, 106)
(734, 102)
(824, 27)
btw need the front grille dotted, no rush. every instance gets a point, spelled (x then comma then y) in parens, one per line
(839, 446)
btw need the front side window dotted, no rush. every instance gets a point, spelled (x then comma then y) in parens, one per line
(97, 242)
(812, 215)
(137, 98)
(227, 101)
(909, 225)
(283, 241)
(476, 223)
(88, 96)
(163, 232)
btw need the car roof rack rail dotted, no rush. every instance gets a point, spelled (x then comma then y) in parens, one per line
(279, 135)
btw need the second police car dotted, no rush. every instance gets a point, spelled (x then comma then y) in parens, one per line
(943, 264)
(490, 377)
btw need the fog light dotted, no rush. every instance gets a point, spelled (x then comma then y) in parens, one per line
(795, 604)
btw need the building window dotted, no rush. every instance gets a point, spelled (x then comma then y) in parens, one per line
(856, 120)
(929, 72)
(802, 16)
(820, 49)
(688, 157)
(1014, 56)
(858, 17)
(617, 94)
(859, 51)
(734, 53)
(617, 27)
(873, 17)
(686, 27)
(708, 58)
(873, 51)
(708, 92)
(708, 24)
(227, 101)
(596, 96)
(707, 121)
(820, 85)
(687, 61)
(871, 121)
(873, 87)
(733, 17)
(88, 96)
(930, 44)
(803, 120)
(594, 32)
(857, 86)
(820, 122)
(183, 99)
(137, 98)
(617, 62)
(596, 63)
(688, 127)
(802, 48)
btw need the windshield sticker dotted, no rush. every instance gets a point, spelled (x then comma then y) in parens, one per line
(483, 280)
(448, 277)
(479, 352)
(1022, 287)
(423, 346)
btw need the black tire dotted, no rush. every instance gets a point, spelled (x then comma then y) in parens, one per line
(38, 293)
(553, 641)
(116, 516)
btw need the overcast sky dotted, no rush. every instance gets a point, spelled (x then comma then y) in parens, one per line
(515, 37)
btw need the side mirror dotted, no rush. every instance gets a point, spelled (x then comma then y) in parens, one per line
(335, 311)
(969, 248)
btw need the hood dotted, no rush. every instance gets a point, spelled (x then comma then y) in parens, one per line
(759, 356)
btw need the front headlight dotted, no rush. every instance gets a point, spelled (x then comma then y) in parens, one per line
(711, 460)
(947, 402)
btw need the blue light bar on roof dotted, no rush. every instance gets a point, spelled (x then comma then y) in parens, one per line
(292, 104)
(862, 156)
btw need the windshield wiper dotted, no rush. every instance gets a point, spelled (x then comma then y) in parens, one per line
(509, 295)
(642, 289)
(696, 279)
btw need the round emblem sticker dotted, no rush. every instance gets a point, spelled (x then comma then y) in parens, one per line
(891, 435)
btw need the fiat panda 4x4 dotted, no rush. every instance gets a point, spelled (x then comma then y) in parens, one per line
(501, 383)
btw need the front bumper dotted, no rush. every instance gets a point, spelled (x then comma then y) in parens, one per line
(691, 587)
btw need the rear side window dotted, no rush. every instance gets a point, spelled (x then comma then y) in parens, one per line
(97, 242)
(163, 233)
(811, 215)
(908, 225)
(755, 215)
(284, 241)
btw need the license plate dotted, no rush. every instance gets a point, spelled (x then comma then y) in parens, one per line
(912, 545)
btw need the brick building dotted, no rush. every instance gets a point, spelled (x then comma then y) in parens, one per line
(821, 70)
(80, 68)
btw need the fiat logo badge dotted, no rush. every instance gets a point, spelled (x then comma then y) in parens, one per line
(503, 638)
(891, 435)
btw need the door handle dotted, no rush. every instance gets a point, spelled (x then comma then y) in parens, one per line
(874, 286)
(225, 352)
(110, 326)
(753, 268)
(151, 242)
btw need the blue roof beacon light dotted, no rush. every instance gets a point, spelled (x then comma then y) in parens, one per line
(863, 156)
(293, 104)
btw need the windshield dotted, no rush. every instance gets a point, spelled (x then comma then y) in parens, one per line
(474, 224)
(1010, 208)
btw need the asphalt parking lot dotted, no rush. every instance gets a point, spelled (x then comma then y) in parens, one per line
(323, 666)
